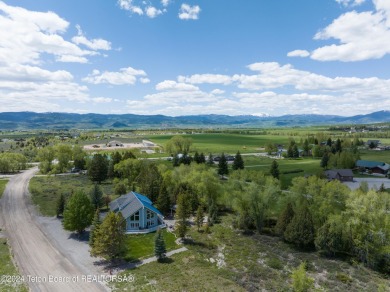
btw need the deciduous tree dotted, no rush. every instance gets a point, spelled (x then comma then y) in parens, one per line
(78, 213)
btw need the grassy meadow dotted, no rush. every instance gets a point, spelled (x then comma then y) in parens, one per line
(226, 260)
(45, 190)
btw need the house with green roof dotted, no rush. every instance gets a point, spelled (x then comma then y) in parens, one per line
(139, 213)
(373, 166)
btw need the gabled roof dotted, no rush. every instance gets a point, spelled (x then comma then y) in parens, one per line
(130, 203)
(368, 163)
(332, 174)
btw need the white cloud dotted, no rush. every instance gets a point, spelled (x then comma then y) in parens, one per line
(217, 91)
(101, 100)
(29, 40)
(124, 76)
(298, 53)
(165, 3)
(26, 35)
(206, 78)
(94, 44)
(152, 12)
(361, 35)
(175, 86)
(188, 12)
(350, 2)
(141, 7)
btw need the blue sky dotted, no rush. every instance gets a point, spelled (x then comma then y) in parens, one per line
(179, 57)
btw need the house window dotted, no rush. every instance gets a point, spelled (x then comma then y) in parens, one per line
(149, 214)
(135, 217)
(134, 225)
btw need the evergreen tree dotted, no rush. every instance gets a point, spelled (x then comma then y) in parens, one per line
(324, 160)
(274, 169)
(159, 246)
(96, 196)
(128, 155)
(329, 142)
(290, 152)
(238, 162)
(210, 159)
(164, 200)
(78, 213)
(300, 281)
(301, 231)
(199, 217)
(60, 205)
(109, 237)
(338, 146)
(94, 228)
(196, 157)
(98, 168)
(284, 219)
(182, 214)
(295, 151)
(223, 167)
(202, 158)
(306, 147)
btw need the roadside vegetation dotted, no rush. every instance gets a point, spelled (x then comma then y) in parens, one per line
(10, 279)
(3, 183)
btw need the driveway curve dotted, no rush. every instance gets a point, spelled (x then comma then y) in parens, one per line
(42, 265)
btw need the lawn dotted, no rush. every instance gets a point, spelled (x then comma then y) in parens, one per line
(3, 183)
(10, 280)
(45, 190)
(141, 246)
(382, 156)
(226, 260)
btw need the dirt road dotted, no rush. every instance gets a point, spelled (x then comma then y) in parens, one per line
(43, 266)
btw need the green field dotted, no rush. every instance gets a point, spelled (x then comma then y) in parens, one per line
(10, 280)
(142, 245)
(226, 260)
(45, 190)
(228, 143)
(3, 183)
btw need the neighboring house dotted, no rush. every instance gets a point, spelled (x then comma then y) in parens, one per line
(139, 213)
(339, 174)
(374, 142)
(373, 166)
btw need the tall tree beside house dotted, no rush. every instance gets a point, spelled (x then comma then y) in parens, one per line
(164, 200)
(183, 211)
(96, 196)
(98, 168)
(196, 157)
(94, 228)
(238, 162)
(60, 205)
(78, 213)
(306, 147)
(324, 160)
(275, 169)
(329, 142)
(290, 152)
(223, 167)
(295, 151)
(159, 246)
(110, 237)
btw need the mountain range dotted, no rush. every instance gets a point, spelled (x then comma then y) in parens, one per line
(32, 120)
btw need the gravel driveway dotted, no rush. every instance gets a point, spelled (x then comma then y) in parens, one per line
(373, 183)
(44, 263)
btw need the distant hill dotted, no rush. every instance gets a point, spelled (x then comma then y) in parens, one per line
(31, 120)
